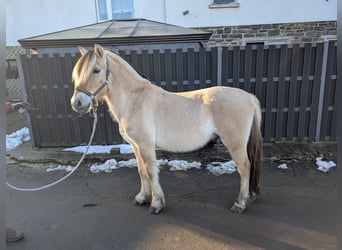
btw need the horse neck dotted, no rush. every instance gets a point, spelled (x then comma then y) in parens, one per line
(126, 83)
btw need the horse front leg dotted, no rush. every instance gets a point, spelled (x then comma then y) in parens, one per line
(152, 170)
(145, 194)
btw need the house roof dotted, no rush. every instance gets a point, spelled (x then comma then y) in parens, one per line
(117, 32)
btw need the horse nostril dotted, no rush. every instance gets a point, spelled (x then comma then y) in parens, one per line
(79, 103)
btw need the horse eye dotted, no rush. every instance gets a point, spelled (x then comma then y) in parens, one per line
(96, 71)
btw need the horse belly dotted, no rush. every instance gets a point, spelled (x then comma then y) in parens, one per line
(184, 137)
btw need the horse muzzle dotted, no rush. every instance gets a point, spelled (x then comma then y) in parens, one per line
(81, 102)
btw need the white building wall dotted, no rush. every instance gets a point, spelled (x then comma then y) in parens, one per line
(151, 9)
(27, 18)
(249, 12)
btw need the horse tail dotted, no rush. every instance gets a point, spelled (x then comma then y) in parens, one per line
(255, 149)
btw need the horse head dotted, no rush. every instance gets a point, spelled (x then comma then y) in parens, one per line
(90, 77)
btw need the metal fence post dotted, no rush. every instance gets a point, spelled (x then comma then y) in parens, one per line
(322, 90)
(219, 66)
(24, 95)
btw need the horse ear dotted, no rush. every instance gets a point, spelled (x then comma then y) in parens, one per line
(99, 51)
(82, 50)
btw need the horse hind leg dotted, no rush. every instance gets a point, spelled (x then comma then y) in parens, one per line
(243, 166)
(240, 156)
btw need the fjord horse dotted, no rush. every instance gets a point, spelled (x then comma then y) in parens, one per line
(151, 118)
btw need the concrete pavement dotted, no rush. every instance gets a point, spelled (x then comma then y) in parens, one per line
(296, 208)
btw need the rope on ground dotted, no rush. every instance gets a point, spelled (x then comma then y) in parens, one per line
(66, 176)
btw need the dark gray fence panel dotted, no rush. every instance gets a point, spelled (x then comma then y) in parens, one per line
(286, 79)
(26, 79)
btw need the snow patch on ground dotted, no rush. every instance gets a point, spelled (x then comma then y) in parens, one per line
(219, 168)
(283, 166)
(112, 164)
(59, 168)
(17, 138)
(99, 149)
(324, 166)
(177, 165)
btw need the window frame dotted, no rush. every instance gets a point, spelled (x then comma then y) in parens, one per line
(12, 69)
(109, 10)
(224, 4)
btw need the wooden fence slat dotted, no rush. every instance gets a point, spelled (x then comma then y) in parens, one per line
(281, 93)
(191, 68)
(65, 69)
(145, 64)
(304, 93)
(39, 95)
(315, 91)
(48, 75)
(292, 93)
(202, 68)
(76, 134)
(26, 79)
(269, 93)
(179, 70)
(156, 67)
(134, 59)
(224, 72)
(236, 67)
(168, 70)
(213, 66)
(61, 102)
(248, 68)
(258, 73)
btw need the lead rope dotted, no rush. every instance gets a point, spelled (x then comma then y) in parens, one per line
(65, 177)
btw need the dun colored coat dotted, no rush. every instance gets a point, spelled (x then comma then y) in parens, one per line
(151, 118)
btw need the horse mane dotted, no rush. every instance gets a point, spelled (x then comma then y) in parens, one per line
(84, 66)
(120, 60)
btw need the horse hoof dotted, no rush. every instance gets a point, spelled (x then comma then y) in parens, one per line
(252, 197)
(137, 203)
(154, 210)
(236, 209)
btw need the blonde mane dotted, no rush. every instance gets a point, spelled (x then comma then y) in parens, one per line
(123, 63)
(84, 67)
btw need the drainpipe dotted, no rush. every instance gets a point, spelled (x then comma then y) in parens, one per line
(96, 12)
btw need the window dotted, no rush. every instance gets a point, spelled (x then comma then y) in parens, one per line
(114, 9)
(11, 69)
(266, 41)
(224, 4)
(102, 10)
(223, 1)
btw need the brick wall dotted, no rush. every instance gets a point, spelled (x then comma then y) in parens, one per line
(271, 33)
